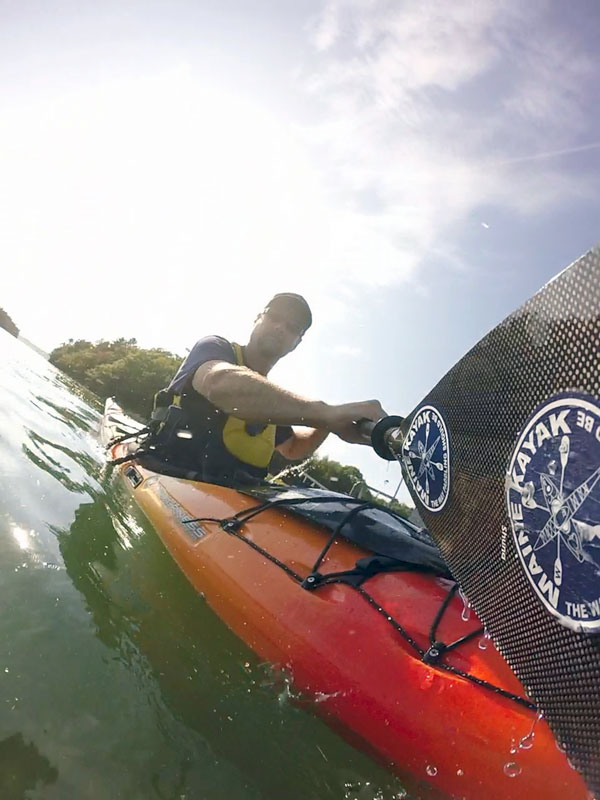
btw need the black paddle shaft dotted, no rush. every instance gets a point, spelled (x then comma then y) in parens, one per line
(385, 436)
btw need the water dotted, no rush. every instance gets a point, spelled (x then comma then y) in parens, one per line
(117, 679)
(466, 612)
(512, 769)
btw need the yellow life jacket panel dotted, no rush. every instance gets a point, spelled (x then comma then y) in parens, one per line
(252, 444)
(217, 441)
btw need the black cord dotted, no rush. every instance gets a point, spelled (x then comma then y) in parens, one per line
(232, 524)
(438, 617)
(132, 435)
(352, 513)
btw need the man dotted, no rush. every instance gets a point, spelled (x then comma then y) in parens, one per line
(233, 417)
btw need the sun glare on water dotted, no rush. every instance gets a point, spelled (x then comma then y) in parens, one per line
(22, 537)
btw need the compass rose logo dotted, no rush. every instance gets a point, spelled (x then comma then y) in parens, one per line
(553, 500)
(426, 457)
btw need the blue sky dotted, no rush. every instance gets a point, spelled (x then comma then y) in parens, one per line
(416, 169)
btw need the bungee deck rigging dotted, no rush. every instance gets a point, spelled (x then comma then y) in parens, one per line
(364, 569)
(386, 445)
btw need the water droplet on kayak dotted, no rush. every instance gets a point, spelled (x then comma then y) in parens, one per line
(483, 642)
(460, 772)
(431, 770)
(512, 769)
(320, 697)
(526, 742)
(466, 612)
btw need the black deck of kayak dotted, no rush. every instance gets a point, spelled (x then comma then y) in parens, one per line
(375, 528)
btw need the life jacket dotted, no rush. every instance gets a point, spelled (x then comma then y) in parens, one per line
(193, 429)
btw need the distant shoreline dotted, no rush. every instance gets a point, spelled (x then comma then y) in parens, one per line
(34, 347)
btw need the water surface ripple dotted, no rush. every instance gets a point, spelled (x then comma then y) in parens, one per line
(117, 679)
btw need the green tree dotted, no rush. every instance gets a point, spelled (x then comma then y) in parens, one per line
(349, 480)
(135, 378)
(118, 369)
(338, 477)
(7, 323)
(399, 508)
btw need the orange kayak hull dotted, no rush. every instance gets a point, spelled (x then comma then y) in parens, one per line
(444, 735)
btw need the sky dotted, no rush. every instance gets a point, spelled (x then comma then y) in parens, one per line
(416, 169)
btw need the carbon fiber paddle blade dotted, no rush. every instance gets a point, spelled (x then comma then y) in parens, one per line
(502, 459)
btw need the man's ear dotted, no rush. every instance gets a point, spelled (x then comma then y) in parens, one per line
(294, 346)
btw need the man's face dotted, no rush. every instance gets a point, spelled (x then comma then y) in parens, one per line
(278, 331)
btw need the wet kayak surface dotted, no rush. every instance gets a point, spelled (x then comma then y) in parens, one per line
(118, 680)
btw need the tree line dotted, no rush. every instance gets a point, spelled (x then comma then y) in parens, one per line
(348, 479)
(118, 369)
(7, 323)
(133, 375)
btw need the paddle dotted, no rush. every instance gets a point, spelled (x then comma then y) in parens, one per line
(502, 459)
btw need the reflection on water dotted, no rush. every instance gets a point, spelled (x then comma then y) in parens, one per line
(22, 767)
(118, 681)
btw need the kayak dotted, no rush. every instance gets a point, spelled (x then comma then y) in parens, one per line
(385, 648)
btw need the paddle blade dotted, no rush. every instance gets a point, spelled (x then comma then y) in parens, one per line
(502, 459)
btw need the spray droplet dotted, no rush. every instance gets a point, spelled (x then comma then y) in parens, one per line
(466, 612)
(431, 770)
(512, 769)
(526, 742)
(459, 772)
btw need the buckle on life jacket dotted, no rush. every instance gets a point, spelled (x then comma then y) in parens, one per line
(172, 423)
(162, 402)
(167, 421)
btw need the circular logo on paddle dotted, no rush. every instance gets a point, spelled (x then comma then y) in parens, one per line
(426, 457)
(553, 500)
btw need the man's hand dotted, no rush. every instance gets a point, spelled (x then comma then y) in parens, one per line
(344, 418)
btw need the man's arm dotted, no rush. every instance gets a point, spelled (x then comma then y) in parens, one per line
(250, 396)
(302, 443)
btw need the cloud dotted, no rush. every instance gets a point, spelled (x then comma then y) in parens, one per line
(352, 351)
(430, 110)
(178, 195)
(326, 29)
(172, 189)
